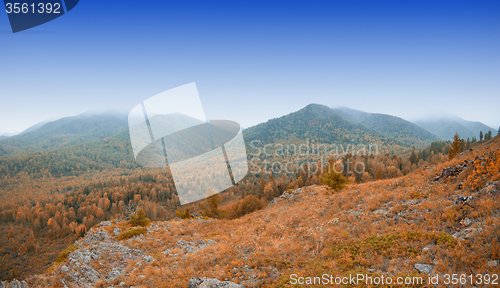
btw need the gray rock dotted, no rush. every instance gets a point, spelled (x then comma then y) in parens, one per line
(14, 284)
(356, 212)
(423, 268)
(381, 212)
(287, 195)
(466, 222)
(464, 200)
(84, 275)
(492, 187)
(493, 263)
(452, 171)
(192, 247)
(427, 247)
(211, 283)
(117, 231)
(106, 223)
(114, 273)
(148, 258)
(64, 268)
(333, 221)
(96, 236)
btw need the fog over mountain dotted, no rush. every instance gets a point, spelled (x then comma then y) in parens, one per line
(390, 126)
(446, 125)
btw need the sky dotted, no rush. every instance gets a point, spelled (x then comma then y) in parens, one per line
(256, 60)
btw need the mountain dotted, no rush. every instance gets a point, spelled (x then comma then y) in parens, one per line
(391, 127)
(301, 235)
(36, 126)
(319, 124)
(84, 151)
(67, 131)
(5, 136)
(446, 126)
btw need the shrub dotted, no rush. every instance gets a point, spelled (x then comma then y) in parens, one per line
(183, 214)
(212, 210)
(63, 256)
(139, 219)
(248, 205)
(131, 233)
(334, 180)
(443, 238)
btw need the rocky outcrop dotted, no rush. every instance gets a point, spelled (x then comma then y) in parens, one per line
(13, 284)
(292, 195)
(492, 187)
(211, 283)
(193, 246)
(464, 200)
(99, 247)
(424, 268)
(452, 171)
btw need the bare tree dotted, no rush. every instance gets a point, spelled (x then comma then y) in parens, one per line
(130, 209)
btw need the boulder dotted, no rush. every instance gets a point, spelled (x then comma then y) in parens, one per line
(211, 283)
(13, 284)
(423, 268)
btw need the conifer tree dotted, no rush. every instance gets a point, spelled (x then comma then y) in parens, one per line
(456, 147)
(413, 157)
(183, 214)
(480, 135)
(334, 180)
(139, 218)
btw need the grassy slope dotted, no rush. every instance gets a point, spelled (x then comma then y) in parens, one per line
(377, 228)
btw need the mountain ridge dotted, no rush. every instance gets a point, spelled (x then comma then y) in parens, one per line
(391, 127)
(445, 127)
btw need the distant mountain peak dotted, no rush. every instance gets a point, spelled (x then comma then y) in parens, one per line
(445, 126)
(390, 126)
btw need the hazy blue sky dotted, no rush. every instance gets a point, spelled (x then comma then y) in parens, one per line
(255, 60)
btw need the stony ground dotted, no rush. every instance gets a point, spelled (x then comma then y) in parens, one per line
(424, 223)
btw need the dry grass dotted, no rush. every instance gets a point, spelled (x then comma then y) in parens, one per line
(377, 228)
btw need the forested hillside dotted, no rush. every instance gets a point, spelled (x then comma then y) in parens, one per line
(391, 127)
(446, 127)
(66, 132)
(319, 124)
(61, 193)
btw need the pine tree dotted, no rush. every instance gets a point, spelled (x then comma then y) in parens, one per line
(413, 157)
(183, 214)
(456, 147)
(212, 210)
(489, 135)
(139, 218)
(481, 136)
(334, 180)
